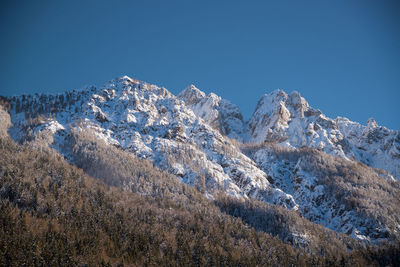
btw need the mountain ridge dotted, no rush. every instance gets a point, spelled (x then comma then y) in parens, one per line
(186, 135)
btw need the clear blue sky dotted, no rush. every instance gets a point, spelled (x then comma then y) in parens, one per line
(342, 56)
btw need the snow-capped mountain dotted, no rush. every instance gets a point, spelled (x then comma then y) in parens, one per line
(187, 136)
(155, 125)
(288, 119)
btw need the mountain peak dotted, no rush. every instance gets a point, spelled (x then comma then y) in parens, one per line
(273, 100)
(215, 111)
(278, 92)
(275, 96)
(371, 123)
(127, 80)
(274, 112)
(192, 87)
(191, 95)
(126, 77)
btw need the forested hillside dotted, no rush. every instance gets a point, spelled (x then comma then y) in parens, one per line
(54, 214)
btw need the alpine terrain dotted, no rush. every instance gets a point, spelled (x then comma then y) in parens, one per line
(311, 189)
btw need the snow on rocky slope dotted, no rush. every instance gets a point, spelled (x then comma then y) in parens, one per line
(216, 112)
(288, 119)
(342, 195)
(185, 135)
(153, 124)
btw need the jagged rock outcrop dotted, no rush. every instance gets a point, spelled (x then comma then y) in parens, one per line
(216, 112)
(290, 121)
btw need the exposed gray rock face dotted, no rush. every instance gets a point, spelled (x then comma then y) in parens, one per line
(216, 112)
